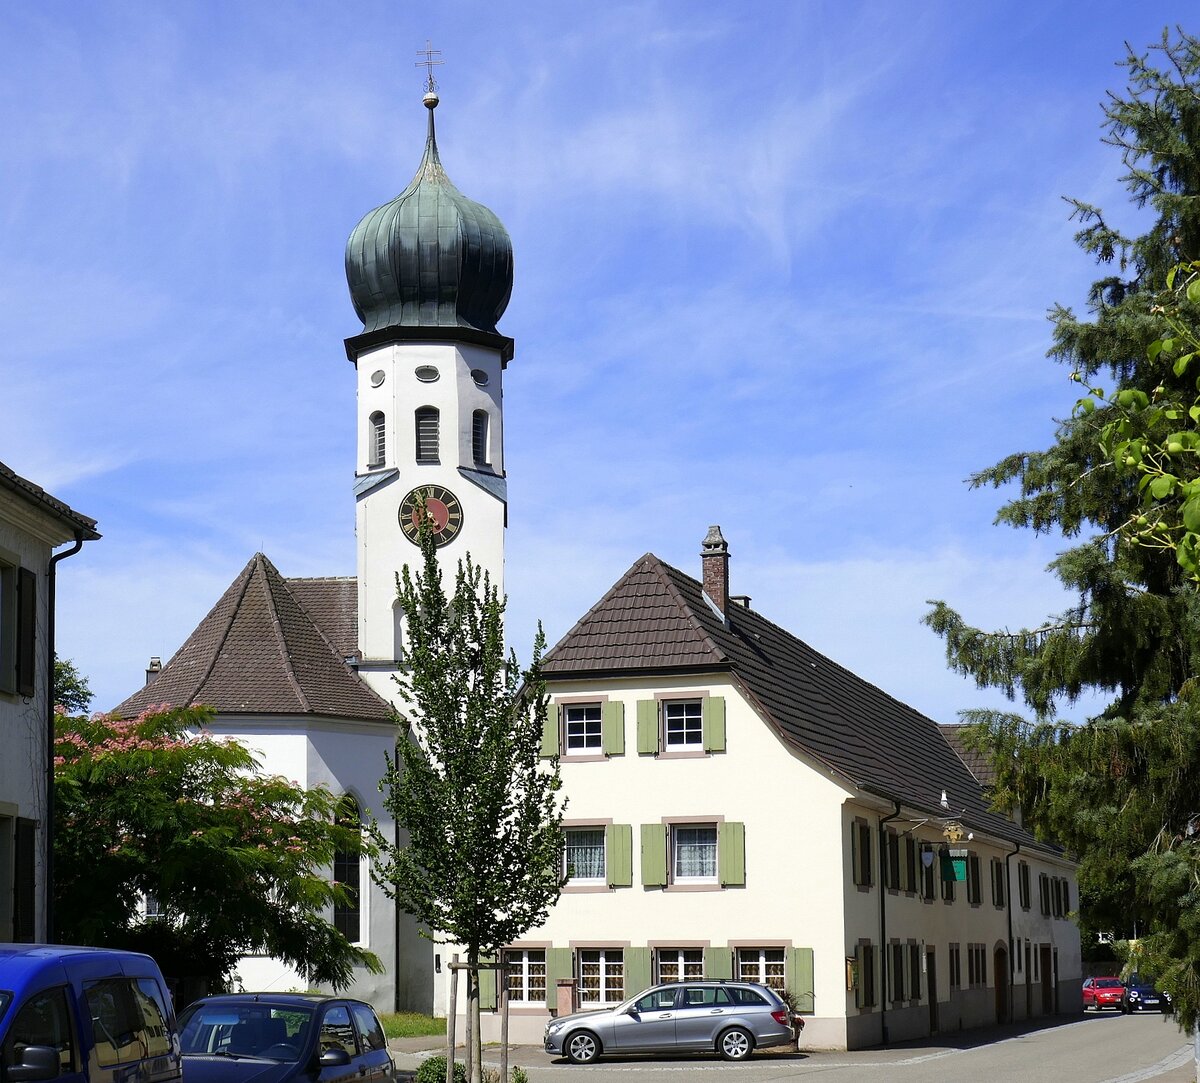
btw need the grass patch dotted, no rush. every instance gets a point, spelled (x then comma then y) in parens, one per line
(411, 1025)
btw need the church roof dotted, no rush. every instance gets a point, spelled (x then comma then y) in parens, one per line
(431, 258)
(656, 619)
(270, 646)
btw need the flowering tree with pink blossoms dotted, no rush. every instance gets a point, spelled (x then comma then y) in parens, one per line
(234, 861)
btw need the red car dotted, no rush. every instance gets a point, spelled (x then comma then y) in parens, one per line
(1100, 993)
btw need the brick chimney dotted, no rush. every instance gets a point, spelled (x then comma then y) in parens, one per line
(153, 670)
(714, 562)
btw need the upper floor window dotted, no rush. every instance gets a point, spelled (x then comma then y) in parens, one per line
(974, 888)
(427, 435)
(377, 439)
(583, 855)
(583, 727)
(347, 871)
(694, 853)
(682, 725)
(860, 850)
(479, 437)
(1023, 884)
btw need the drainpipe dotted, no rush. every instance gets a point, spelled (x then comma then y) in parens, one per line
(48, 842)
(1012, 951)
(396, 906)
(883, 944)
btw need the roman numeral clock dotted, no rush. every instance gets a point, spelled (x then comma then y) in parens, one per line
(442, 509)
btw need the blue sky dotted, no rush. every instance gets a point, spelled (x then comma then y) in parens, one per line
(779, 266)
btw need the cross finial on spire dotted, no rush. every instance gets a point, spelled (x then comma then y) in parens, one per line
(428, 63)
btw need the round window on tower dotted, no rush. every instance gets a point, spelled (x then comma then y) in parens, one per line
(377, 377)
(480, 377)
(426, 373)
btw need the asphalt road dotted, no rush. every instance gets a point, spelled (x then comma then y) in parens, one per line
(1092, 1049)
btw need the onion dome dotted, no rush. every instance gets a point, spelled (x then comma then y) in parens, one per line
(431, 258)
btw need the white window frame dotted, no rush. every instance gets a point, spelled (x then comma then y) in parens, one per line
(678, 964)
(764, 965)
(589, 725)
(608, 968)
(688, 731)
(377, 439)
(525, 964)
(584, 881)
(678, 877)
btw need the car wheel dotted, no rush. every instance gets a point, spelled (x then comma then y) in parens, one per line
(582, 1047)
(735, 1044)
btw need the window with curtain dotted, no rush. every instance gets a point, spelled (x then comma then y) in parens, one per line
(526, 969)
(766, 966)
(583, 854)
(347, 871)
(679, 964)
(601, 975)
(694, 852)
(427, 435)
(378, 440)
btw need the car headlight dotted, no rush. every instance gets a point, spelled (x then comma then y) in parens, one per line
(1134, 994)
(554, 1028)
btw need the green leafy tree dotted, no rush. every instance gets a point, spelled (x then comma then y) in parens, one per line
(480, 808)
(237, 862)
(1114, 790)
(71, 690)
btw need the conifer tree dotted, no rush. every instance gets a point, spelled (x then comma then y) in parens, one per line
(482, 862)
(1119, 790)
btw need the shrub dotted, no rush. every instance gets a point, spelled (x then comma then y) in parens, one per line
(433, 1070)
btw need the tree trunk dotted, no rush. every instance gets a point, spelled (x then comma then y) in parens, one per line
(475, 1048)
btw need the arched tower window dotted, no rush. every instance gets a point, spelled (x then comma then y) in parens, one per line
(479, 437)
(377, 449)
(347, 871)
(427, 434)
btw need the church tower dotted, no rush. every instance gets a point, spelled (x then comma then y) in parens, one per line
(430, 274)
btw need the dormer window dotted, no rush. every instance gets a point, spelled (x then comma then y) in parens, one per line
(427, 435)
(377, 439)
(479, 438)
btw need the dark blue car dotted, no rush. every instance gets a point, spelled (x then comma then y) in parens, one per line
(279, 1037)
(1141, 996)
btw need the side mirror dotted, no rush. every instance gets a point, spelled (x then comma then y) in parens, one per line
(38, 1062)
(334, 1058)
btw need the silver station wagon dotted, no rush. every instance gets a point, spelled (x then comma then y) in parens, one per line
(727, 1017)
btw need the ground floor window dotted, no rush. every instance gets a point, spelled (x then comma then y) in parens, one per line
(679, 964)
(763, 965)
(955, 966)
(601, 975)
(976, 965)
(526, 970)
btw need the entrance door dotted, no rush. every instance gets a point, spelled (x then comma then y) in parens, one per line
(931, 986)
(1000, 970)
(1047, 981)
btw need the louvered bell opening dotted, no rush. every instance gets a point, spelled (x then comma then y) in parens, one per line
(378, 440)
(427, 435)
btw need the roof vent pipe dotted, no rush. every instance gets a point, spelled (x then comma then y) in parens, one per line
(714, 562)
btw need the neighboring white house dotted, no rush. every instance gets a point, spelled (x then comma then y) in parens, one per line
(741, 806)
(32, 524)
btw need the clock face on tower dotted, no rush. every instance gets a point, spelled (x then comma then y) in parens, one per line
(443, 509)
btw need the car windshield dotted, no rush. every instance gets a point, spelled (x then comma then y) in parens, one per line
(1108, 983)
(251, 1029)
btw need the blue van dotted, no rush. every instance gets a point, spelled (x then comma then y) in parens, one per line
(85, 1015)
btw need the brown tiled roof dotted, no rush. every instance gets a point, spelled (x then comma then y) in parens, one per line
(656, 619)
(268, 647)
(52, 506)
(977, 762)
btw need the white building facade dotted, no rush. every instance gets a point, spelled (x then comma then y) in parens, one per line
(32, 525)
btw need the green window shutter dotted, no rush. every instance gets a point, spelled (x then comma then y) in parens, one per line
(859, 991)
(712, 721)
(731, 854)
(647, 727)
(550, 733)
(26, 652)
(618, 854)
(801, 979)
(718, 963)
(654, 855)
(558, 965)
(854, 869)
(637, 970)
(487, 990)
(612, 728)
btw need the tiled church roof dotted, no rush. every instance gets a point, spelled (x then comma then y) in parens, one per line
(270, 646)
(657, 619)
